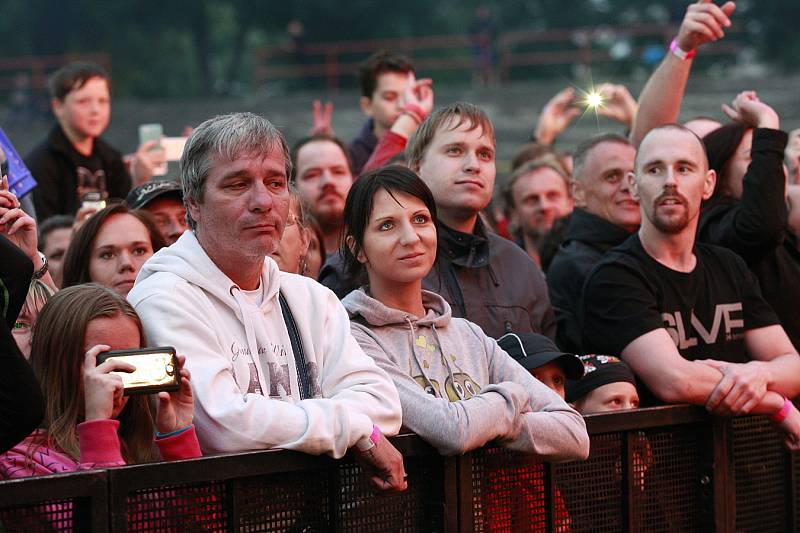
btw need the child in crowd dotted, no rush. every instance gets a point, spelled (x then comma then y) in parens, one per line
(88, 422)
(542, 358)
(608, 385)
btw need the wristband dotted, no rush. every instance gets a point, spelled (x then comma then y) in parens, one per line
(415, 112)
(42, 269)
(172, 433)
(367, 443)
(680, 52)
(781, 415)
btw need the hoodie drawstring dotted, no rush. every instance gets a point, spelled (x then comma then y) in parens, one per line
(252, 346)
(441, 353)
(446, 362)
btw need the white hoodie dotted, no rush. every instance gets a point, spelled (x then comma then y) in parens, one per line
(243, 369)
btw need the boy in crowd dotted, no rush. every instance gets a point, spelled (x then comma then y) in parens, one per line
(384, 77)
(608, 385)
(74, 160)
(540, 356)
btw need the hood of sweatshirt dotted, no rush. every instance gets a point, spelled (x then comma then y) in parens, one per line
(594, 230)
(187, 260)
(359, 304)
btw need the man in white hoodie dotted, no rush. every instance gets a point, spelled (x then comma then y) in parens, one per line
(272, 359)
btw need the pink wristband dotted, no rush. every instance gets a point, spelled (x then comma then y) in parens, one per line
(680, 52)
(781, 415)
(367, 443)
(415, 111)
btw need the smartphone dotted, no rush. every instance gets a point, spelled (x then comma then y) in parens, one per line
(93, 200)
(153, 132)
(156, 369)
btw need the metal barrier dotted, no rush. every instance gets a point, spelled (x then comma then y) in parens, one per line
(660, 469)
(337, 60)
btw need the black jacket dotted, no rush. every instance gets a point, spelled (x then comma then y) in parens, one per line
(485, 278)
(755, 227)
(21, 403)
(588, 238)
(54, 164)
(363, 146)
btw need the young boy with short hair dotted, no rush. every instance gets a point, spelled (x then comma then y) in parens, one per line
(383, 77)
(540, 356)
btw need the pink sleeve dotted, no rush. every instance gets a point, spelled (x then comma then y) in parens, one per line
(389, 146)
(100, 447)
(184, 445)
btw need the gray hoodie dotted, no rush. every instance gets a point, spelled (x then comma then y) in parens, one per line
(458, 388)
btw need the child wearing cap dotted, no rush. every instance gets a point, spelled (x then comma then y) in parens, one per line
(608, 385)
(540, 356)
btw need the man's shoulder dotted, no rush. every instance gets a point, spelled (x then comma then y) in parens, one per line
(573, 258)
(509, 252)
(161, 285)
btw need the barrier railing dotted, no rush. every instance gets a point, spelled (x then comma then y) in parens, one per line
(335, 60)
(660, 469)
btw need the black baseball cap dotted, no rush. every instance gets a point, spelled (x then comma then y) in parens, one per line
(532, 350)
(146, 193)
(600, 370)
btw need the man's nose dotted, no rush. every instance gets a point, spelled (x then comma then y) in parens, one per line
(260, 197)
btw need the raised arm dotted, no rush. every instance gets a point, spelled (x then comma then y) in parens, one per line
(660, 100)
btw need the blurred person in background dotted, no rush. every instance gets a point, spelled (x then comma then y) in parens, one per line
(74, 160)
(163, 199)
(55, 234)
(291, 253)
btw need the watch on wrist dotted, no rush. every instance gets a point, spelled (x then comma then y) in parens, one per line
(42, 269)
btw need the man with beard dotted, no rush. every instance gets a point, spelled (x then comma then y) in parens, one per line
(323, 174)
(538, 194)
(688, 317)
(605, 215)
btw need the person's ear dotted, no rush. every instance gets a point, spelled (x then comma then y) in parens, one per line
(193, 208)
(360, 256)
(366, 106)
(57, 106)
(578, 193)
(633, 186)
(709, 184)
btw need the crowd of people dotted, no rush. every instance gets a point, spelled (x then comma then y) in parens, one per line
(323, 296)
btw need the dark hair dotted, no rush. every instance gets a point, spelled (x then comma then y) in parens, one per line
(529, 152)
(358, 208)
(319, 137)
(78, 256)
(74, 76)
(51, 224)
(721, 145)
(583, 149)
(379, 63)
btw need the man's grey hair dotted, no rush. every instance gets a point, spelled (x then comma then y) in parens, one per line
(221, 139)
(582, 152)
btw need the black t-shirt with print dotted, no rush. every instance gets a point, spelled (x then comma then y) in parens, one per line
(706, 311)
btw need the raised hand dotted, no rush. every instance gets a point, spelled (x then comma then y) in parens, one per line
(618, 104)
(704, 22)
(556, 115)
(321, 116)
(176, 409)
(750, 111)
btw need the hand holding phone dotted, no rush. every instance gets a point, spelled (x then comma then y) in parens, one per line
(103, 390)
(152, 369)
(176, 409)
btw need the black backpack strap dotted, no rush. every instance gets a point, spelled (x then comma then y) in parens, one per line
(297, 347)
